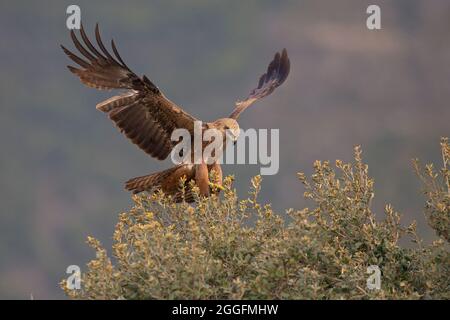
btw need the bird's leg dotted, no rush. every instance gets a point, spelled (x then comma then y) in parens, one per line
(217, 177)
(202, 179)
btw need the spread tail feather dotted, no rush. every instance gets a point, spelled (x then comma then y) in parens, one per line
(168, 181)
(148, 182)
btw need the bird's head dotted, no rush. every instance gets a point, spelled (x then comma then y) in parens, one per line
(229, 128)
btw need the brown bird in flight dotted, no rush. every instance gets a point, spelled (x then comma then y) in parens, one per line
(148, 118)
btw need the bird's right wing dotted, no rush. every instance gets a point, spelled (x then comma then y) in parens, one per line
(142, 113)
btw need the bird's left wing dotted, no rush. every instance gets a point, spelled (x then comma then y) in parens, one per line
(142, 113)
(276, 74)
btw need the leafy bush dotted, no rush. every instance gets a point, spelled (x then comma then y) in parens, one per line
(225, 248)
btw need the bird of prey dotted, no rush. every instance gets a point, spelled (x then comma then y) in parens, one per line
(148, 118)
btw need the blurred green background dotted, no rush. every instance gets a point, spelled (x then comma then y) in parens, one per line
(63, 163)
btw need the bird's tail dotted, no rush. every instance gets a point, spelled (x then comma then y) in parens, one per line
(148, 182)
(152, 181)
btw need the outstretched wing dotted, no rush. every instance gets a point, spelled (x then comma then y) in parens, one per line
(142, 113)
(276, 74)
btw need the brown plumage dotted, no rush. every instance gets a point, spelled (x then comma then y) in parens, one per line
(276, 74)
(169, 181)
(143, 114)
(148, 118)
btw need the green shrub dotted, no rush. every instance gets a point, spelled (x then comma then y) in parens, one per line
(226, 248)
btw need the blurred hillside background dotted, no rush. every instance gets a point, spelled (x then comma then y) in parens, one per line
(63, 163)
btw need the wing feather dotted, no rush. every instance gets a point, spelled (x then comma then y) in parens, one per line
(142, 113)
(276, 74)
(90, 45)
